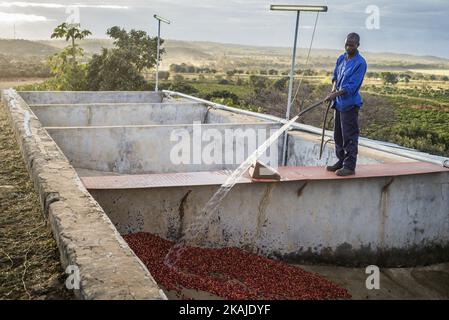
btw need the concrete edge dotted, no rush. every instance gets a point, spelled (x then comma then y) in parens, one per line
(86, 237)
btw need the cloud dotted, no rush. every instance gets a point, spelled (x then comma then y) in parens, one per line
(56, 5)
(20, 17)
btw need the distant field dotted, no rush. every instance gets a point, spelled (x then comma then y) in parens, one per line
(10, 83)
(438, 72)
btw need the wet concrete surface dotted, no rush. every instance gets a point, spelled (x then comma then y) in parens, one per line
(431, 282)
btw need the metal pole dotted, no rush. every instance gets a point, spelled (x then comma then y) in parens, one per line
(157, 59)
(290, 90)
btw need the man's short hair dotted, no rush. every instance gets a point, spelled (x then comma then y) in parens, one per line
(354, 36)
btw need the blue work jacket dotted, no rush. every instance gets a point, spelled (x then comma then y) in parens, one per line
(349, 75)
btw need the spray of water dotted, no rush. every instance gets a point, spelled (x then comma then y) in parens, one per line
(207, 214)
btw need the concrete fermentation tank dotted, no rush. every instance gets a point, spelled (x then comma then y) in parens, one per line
(394, 211)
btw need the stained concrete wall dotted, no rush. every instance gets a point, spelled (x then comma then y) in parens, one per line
(303, 149)
(116, 114)
(148, 149)
(74, 97)
(83, 115)
(388, 222)
(221, 116)
(108, 268)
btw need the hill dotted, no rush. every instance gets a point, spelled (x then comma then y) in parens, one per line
(230, 56)
(26, 49)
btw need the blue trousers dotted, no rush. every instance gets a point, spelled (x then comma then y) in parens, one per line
(346, 137)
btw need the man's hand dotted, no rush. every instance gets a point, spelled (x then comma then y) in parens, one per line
(331, 96)
(334, 94)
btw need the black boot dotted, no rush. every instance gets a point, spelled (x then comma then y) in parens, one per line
(344, 172)
(335, 167)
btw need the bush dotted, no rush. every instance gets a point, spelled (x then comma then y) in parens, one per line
(258, 82)
(231, 98)
(178, 78)
(183, 87)
(389, 78)
(164, 75)
(281, 84)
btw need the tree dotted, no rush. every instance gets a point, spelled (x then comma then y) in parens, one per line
(137, 46)
(112, 71)
(164, 75)
(120, 68)
(72, 33)
(191, 69)
(68, 72)
(389, 78)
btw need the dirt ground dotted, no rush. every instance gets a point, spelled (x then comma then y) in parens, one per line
(29, 258)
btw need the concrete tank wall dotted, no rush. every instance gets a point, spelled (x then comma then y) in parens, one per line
(74, 97)
(221, 116)
(303, 149)
(147, 149)
(83, 115)
(114, 114)
(107, 268)
(400, 221)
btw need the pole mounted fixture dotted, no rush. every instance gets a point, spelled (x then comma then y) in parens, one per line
(297, 9)
(159, 20)
(288, 7)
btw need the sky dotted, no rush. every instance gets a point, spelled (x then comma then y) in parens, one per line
(416, 27)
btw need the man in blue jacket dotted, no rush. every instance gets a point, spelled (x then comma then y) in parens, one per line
(347, 80)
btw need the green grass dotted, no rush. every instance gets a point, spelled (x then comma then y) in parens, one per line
(424, 130)
(438, 98)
